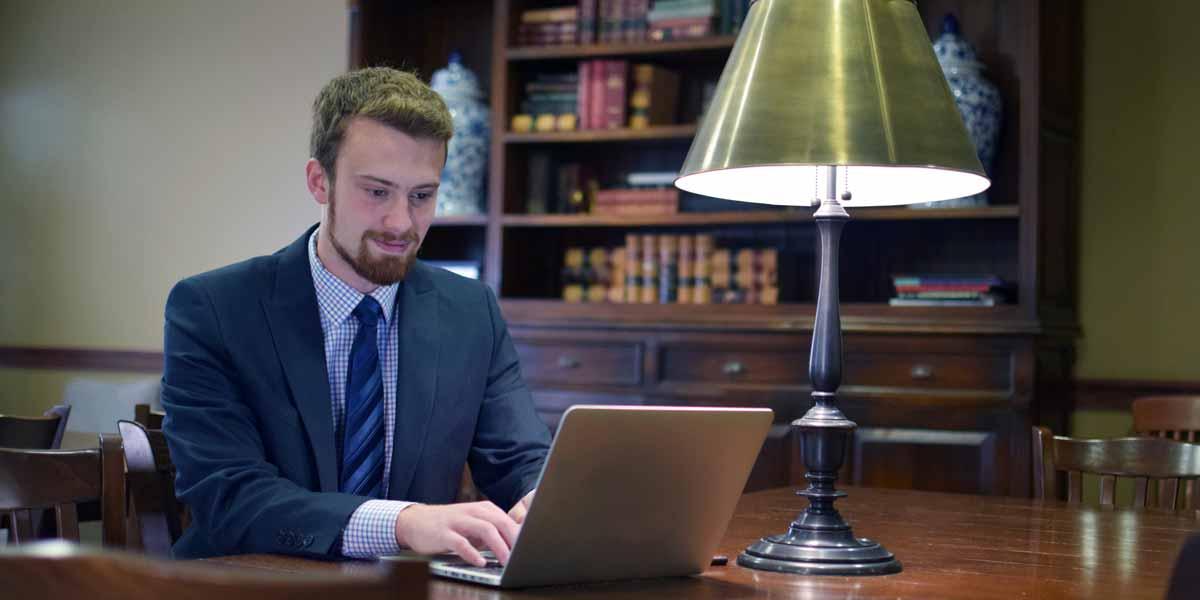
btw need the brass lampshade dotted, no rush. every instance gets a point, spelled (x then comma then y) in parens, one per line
(847, 83)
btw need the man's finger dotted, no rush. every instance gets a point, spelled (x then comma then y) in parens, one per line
(488, 535)
(518, 512)
(507, 526)
(465, 550)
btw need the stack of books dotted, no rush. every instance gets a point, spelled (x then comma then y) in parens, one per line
(548, 104)
(647, 194)
(681, 19)
(670, 269)
(946, 290)
(616, 21)
(549, 26)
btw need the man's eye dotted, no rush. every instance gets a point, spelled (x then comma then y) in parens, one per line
(378, 192)
(421, 196)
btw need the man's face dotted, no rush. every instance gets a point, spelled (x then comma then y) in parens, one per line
(383, 199)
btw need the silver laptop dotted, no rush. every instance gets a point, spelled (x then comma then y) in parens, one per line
(628, 493)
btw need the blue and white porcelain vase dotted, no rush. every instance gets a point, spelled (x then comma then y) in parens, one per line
(977, 98)
(461, 191)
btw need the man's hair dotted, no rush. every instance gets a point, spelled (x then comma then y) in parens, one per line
(398, 99)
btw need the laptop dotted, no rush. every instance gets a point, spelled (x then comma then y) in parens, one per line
(629, 493)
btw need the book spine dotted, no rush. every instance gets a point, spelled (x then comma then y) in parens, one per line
(616, 280)
(583, 96)
(686, 284)
(633, 269)
(598, 275)
(614, 93)
(587, 22)
(597, 96)
(572, 275)
(649, 293)
(668, 269)
(701, 270)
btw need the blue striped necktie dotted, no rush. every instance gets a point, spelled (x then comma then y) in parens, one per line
(362, 447)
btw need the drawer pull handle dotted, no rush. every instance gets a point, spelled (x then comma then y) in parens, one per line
(733, 368)
(566, 362)
(922, 372)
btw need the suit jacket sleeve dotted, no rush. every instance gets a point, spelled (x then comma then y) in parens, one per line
(237, 498)
(511, 442)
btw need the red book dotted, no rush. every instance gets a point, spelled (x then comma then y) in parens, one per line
(615, 75)
(596, 95)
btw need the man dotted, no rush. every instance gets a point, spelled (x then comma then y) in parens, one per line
(322, 401)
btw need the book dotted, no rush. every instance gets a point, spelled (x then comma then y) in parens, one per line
(654, 98)
(587, 23)
(668, 269)
(701, 270)
(633, 269)
(649, 290)
(615, 76)
(686, 283)
(583, 96)
(616, 281)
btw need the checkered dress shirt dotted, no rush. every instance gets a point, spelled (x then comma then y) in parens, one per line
(371, 530)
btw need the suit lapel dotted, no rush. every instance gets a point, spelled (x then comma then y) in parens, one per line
(295, 323)
(417, 308)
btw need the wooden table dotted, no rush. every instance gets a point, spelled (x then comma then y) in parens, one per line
(951, 546)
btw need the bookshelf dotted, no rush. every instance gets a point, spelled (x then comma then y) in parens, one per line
(945, 395)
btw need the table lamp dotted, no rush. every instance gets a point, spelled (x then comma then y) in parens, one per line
(838, 104)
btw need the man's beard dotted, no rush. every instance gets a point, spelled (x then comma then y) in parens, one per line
(384, 270)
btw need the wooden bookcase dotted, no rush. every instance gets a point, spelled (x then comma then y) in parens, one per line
(944, 397)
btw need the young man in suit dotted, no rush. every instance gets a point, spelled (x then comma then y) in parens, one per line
(321, 401)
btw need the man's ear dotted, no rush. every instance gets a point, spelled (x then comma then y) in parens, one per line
(318, 183)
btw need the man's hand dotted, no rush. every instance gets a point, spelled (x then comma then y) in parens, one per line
(457, 528)
(518, 511)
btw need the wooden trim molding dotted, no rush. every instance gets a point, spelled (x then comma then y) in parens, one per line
(1118, 394)
(80, 359)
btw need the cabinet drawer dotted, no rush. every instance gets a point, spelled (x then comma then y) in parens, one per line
(718, 365)
(591, 363)
(928, 370)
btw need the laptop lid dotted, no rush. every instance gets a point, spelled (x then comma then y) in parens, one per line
(635, 492)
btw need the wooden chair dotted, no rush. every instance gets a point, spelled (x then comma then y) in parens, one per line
(64, 571)
(156, 518)
(59, 480)
(148, 417)
(1174, 417)
(34, 433)
(1141, 459)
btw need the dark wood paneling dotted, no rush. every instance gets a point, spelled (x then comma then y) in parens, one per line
(549, 362)
(929, 370)
(925, 459)
(1118, 394)
(81, 359)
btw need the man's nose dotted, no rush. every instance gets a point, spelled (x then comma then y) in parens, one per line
(398, 218)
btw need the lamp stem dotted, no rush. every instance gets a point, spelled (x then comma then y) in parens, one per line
(819, 541)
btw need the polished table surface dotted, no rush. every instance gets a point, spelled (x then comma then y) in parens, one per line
(951, 546)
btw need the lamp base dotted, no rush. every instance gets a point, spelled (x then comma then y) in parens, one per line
(815, 552)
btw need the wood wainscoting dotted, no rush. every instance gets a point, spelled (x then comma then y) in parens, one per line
(1118, 394)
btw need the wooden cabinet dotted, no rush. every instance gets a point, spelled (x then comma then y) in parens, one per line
(944, 398)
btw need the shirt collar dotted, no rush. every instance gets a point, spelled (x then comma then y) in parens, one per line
(336, 298)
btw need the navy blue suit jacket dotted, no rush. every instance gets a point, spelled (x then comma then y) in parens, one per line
(249, 418)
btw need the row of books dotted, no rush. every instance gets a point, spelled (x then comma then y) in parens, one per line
(572, 187)
(671, 269)
(613, 21)
(602, 94)
(946, 290)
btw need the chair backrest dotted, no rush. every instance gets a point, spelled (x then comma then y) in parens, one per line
(1140, 459)
(59, 480)
(30, 433)
(97, 404)
(63, 412)
(155, 514)
(1175, 417)
(148, 417)
(62, 571)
